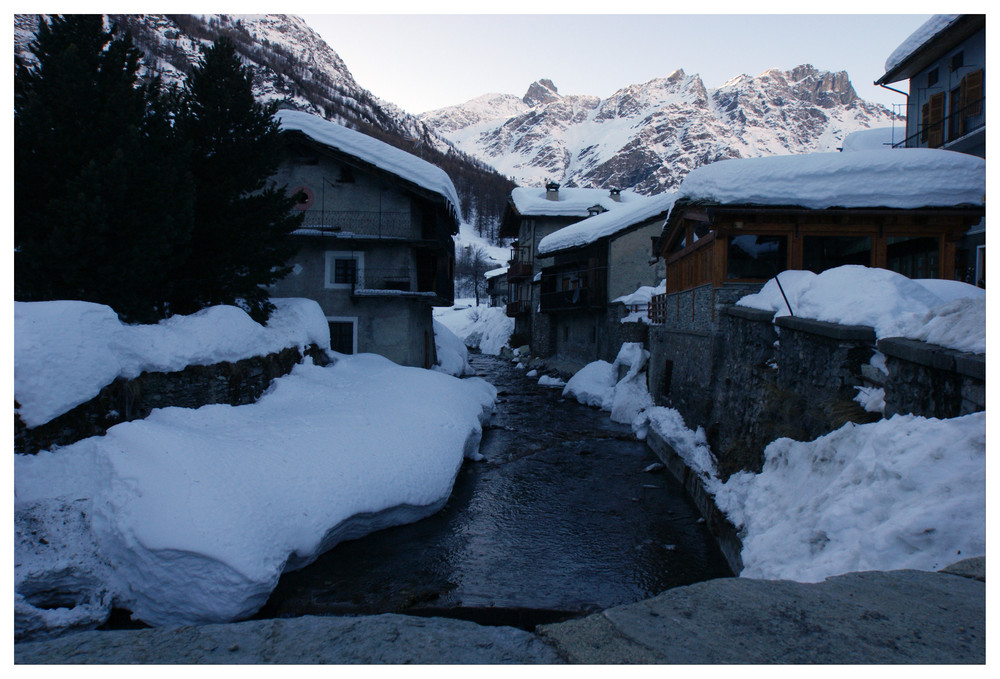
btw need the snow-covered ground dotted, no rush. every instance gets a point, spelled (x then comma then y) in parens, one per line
(597, 384)
(191, 515)
(907, 492)
(482, 327)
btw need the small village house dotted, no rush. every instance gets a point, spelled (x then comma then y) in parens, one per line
(532, 214)
(944, 62)
(590, 264)
(738, 223)
(376, 245)
(496, 286)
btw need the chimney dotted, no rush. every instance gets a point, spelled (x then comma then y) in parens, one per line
(616, 195)
(552, 191)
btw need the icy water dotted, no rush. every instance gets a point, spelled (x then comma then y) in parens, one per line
(559, 521)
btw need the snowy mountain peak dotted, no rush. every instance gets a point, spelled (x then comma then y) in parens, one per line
(541, 92)
(648, 136)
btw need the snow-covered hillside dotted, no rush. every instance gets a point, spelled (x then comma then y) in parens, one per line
(648, 136)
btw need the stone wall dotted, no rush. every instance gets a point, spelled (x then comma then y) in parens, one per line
(932, 381)
(752, 380)
(238, 383)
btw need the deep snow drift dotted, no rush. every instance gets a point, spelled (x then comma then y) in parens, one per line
(482, 327)
(907, 492)
(597, 384)
(189, 516)
(947, 313)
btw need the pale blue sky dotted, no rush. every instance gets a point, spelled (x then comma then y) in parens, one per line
(427, 61)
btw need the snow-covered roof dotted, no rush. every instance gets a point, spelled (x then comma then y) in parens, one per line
(571, 202)
(901, 178)
(371, 150)
(920, 37)
(607, 223)
(495, 272)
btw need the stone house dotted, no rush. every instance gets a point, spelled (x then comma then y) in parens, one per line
(944, 62)
(532, 214)
(376, 245)
(588, 265)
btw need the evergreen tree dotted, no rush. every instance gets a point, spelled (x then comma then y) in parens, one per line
(240, 239)
(102, 198)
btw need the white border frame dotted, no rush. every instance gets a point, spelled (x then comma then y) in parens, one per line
(328, 271)
(353, 320)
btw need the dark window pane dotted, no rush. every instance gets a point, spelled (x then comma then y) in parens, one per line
(912, 256)
(345, 271)
(753, 256)
(820, 253)
(342, 336)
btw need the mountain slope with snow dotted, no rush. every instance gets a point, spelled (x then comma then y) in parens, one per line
(648, 136)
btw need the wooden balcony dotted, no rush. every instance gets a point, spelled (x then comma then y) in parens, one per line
(519, 307)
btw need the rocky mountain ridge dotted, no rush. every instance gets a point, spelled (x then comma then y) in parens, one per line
(648, 136)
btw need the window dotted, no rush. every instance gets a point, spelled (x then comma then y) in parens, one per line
(915, 257)
(932, 78)
(752, 256)
(344, 270)
(957, 60)
(820, 253)
(343, 334)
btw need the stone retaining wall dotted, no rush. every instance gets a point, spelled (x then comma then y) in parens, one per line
(237, 383)
(754, 379)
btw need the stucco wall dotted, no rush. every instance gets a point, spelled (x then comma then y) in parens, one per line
(628, 261)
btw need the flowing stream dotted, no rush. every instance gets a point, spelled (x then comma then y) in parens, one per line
(560, 520)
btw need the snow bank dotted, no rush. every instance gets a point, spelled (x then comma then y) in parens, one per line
(905, 178)
(876, 139)
(597, 384)
(452, 356)
(190, 516)
(371, 150)
(948, 313)
(65, 352)
(485, 328)
(908, 492)
(548, 381)
(606, 224)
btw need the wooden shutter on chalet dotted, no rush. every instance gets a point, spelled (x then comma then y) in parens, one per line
(935, 128)
(925, 121)
(972, 94)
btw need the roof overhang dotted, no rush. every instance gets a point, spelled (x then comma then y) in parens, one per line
(925, 55)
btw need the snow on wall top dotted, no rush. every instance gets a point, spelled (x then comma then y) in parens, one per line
(371, 150)
(571, 202)
(606, 223)
(920, 37)
(900, 178)
(65, 352)
(495, 272)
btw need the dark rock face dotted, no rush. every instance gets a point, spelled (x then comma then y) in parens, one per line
(541, 91)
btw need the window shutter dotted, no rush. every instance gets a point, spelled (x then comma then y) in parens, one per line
(972, 93)
(935, 135)
(925, 121)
